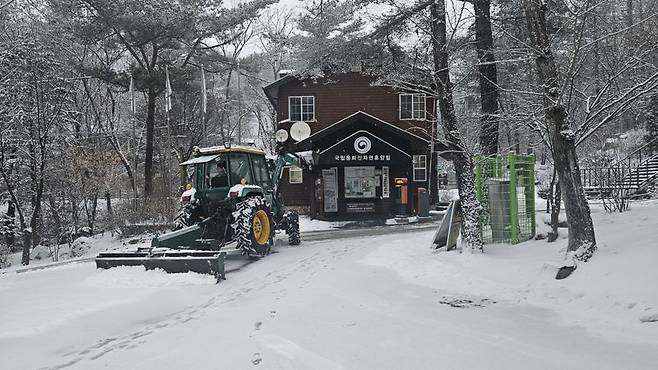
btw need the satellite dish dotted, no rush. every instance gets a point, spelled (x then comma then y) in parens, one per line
(281, 136)
(300, 131)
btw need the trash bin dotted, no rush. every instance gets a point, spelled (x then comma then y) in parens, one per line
(423, 205)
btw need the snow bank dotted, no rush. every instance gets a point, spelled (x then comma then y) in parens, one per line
(137, 277)
(613, 295)
(80, 248)
(306, 224)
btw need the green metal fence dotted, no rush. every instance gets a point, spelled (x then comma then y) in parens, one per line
(505, 186)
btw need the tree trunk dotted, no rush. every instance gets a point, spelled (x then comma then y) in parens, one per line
(27, 242)
(57, 220)
(555, 202)
(27, 245)
(75, 215)
(91, 211)
(461, 159)
(108, 203)
(148, 157)
(34, 185)
(582, 242)
(488, 78)
(36, 219)
(11, 225)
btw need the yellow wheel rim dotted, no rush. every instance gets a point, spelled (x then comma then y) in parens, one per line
(261, 227)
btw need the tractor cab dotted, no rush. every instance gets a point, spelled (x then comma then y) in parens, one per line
(213, 171)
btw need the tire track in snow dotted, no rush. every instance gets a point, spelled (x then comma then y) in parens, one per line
(323, 253)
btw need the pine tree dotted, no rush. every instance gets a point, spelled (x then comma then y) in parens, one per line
(331, 39)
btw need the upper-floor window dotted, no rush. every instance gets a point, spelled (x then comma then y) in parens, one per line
(301, 108)
(412, 106)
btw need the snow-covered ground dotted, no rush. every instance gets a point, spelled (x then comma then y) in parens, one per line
(385, 302)
(610, 297)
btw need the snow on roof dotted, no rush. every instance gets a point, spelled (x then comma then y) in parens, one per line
(224, 149)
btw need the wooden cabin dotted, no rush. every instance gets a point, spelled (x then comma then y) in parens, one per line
(363, 137)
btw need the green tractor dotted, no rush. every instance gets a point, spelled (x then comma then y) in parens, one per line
(232, 197)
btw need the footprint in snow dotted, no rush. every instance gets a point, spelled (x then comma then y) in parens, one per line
(256, 358)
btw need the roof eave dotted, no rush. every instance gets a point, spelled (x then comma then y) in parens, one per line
(273, 86)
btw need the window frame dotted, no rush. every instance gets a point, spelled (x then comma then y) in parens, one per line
(413, 107)
(424, 167)
(301, 106)
(301, 175)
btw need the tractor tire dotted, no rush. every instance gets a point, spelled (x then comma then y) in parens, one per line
(292, 228)
(253, 227)
(184, 217)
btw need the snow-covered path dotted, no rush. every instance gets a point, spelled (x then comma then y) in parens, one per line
(319, 306)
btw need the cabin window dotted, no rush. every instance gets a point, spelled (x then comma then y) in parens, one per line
(261, 173)
(216, 175)
(301, 108)
(420, 167)
(412, 106)
(295, 175)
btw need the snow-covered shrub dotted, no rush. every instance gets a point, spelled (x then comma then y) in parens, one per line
(41, 252)
(80, 247)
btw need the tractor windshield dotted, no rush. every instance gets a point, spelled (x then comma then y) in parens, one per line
(240, 168)
(216, 173)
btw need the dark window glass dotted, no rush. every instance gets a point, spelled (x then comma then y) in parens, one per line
(239, 166)
(406, 106)
(260, 172)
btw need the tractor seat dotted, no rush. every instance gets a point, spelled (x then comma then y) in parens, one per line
(218, 181)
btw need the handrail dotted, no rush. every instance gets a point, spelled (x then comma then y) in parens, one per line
(634, 152)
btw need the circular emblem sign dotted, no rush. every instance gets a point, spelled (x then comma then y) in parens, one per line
(362, 145)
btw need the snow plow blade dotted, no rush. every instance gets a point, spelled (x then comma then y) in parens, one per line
(171, 261)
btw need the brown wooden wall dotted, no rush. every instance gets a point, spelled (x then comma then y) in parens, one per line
(297, 194)
(344, 94)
